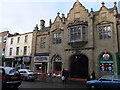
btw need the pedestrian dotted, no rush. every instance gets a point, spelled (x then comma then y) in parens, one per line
(93, 75)
(63, 77)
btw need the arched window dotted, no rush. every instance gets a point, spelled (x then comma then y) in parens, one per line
(106, 62)
(57, 64)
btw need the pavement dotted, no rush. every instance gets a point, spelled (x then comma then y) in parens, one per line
(50, 79)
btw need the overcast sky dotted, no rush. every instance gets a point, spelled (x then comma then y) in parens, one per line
(22, 15)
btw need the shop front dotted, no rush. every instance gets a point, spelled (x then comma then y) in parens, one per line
(41, 63)
(56, 65)
(106, 64)
(22, 62)
(9, 61)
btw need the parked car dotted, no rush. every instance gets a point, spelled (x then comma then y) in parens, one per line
(106, 81)
(11, 77)
(27, 74)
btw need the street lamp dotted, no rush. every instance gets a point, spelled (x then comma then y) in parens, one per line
(3, 58)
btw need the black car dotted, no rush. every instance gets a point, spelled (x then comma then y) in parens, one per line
(11, 77)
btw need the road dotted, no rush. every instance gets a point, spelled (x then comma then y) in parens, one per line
(37, 84)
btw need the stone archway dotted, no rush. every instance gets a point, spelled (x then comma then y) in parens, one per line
(79, 66)
(56, 64)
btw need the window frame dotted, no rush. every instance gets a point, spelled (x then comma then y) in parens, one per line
(17, 50)
(10, 52)
(43, 42)
(26, 38)
(78, 35)
(105, 33)
(18, 39)
(11, 42)
(25, 50)
(57, 38)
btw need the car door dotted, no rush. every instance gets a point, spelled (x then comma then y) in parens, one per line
(116, 81)
(105, 81)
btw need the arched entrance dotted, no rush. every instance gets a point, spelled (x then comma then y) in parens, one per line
(56, 64)
(79, 66)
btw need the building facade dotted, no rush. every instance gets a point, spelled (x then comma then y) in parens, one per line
(3, 38)
(83, 42)
(18, 50)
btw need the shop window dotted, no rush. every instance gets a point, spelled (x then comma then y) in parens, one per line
(106, 62)
(41, 67)
(57, 64)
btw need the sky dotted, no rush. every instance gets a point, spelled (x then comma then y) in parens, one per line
(22, 15)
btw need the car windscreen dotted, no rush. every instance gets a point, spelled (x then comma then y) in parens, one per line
(106, 78)
(13, 71)
(30, 71)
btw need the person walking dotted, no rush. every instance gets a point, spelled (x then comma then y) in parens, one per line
(93, 75)
(63, 77)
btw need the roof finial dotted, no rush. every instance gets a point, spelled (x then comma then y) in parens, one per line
(58, 13)
(36, 27)
(91, 9)
(103, 3)
(115, 3)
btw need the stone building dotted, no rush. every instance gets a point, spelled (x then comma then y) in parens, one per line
(18, 50)
(83, 42)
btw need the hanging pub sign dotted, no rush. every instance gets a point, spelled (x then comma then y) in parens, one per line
(106, 62)
(106, 56)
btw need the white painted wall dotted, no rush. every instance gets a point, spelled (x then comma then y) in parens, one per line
(21, 45)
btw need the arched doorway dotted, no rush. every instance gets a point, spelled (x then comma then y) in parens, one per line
(79, 66)
(56, 64)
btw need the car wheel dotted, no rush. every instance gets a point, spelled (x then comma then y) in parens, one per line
(92, 86)
(23, 78)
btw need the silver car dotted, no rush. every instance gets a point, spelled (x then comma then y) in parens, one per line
(27, 74)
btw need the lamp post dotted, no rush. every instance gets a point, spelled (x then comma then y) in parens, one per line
(3, 59)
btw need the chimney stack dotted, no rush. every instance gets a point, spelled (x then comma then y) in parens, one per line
(42, 24)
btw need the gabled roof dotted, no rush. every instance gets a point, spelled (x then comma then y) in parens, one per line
(110, 10)
(45, 29)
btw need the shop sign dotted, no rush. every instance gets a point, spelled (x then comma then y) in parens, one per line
(26, 59)
(106, 56)
(41, 58)
(106, 61)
